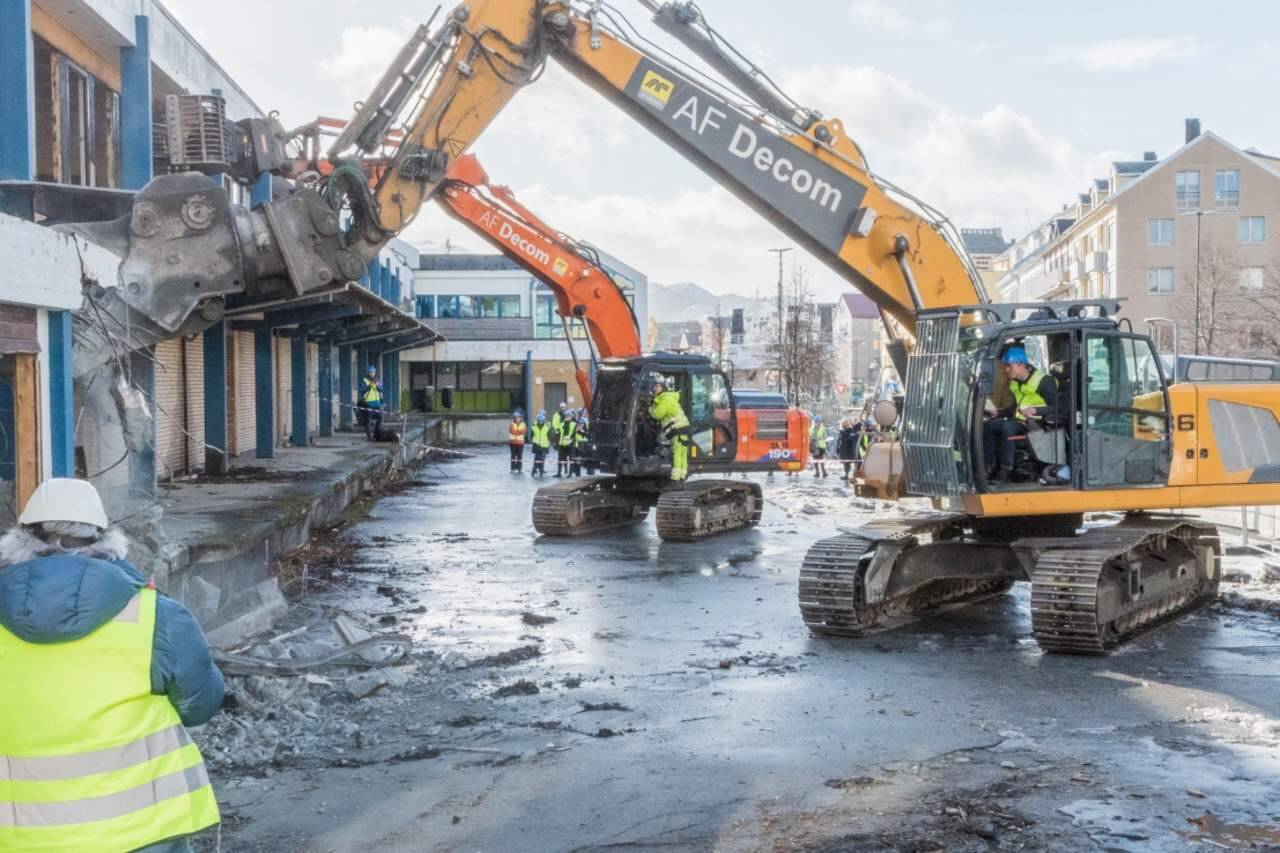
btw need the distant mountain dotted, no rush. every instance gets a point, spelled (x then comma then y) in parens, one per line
(687, 302)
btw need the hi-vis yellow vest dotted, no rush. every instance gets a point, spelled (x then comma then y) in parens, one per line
(1026, 394)
(90, 759)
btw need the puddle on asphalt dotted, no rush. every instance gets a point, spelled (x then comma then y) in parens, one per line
(1249, 836)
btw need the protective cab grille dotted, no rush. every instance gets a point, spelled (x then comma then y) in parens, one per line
(771, 425)
(930, 412)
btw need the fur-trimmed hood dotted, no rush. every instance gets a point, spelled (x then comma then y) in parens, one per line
(53, 595)
(20, 545)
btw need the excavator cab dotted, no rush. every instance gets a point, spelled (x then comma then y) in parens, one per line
(626, 441)
(1109, 426)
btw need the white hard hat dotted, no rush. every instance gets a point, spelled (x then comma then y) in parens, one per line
(64, 499)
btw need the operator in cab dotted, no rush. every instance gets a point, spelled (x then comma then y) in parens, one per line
(1035, 396)
(666, 410)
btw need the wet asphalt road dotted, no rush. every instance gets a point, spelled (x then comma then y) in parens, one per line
(733, 729)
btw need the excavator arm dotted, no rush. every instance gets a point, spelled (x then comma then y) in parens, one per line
(582, 289)
(800, 171)
(803, 173)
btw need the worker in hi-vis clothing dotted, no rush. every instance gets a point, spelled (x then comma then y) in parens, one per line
(516, 432)
(818, 442)
(565, 444)
(102, 674)
(666, 410)
(540, 438)
(371, 402)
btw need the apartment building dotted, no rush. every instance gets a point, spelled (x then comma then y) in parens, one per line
(504, 344)
(1158, 233)
(92, 93)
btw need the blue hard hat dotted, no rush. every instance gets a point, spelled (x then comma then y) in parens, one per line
(1015, 355)
(542, 416)
(817, 419)
(372, 369)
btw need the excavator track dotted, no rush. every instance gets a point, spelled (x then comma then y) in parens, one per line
(834, 570)
(1113, 584)
(577, 507)
(702, 508)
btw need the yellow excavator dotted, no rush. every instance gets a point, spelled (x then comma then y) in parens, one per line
(1122, 439)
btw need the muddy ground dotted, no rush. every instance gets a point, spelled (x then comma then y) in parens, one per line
(620, 693)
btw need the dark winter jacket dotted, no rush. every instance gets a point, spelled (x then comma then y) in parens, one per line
(49, 596)
(847, 442)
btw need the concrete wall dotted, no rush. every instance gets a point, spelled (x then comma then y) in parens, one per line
(554, 371)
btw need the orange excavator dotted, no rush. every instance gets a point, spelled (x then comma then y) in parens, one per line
(726, 438)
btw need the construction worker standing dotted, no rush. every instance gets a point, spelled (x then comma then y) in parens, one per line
(516, 431)
(101, 676)
(540, 438)
(666, 410)
(565, 445)
(818, 443)
(581, 431)
(557, 422)
(371, 402)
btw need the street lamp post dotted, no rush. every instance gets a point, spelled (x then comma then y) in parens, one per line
(781, 321)
(1198, 214)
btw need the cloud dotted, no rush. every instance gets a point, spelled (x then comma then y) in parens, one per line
(994, 168)
(362, 58)
(1128, 54)
(899, 18)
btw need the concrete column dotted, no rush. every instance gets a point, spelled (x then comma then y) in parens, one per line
(62, 422)
(346, 389)
(298, 394)
(264, 392)
(325, 384)
(142, 461)
(135, 107)
(17, 93)
(216, 461)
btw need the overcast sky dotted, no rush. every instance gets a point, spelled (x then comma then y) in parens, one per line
(995, 112)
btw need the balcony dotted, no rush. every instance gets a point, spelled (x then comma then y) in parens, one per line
(1229, 199)
(1188, 199)
(484, 328)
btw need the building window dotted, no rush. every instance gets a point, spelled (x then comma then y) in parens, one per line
(426, 307)
(509, 306)
(548, 324)
(446, 376)
(513, 375)
(469, 376)
(1188, 190)
(456, 307)
(1160, 280)
(491, 376)
(1251, 278)
(1159, 232)
(77, 121)
(1226, 192)
(1252, 229)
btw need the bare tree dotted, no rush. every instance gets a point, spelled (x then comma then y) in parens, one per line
(719, 335)
(802, 357)
(1218, 317)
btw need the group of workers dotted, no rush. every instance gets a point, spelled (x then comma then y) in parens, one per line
(852, 441)
(566, 430)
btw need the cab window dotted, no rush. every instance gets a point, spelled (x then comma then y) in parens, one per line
(1127, 419)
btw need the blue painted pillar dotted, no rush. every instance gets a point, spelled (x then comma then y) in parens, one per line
(216, 460)
(298, 394)
(264, 392)
(386, 280)
(346, 389)
(142, 461)
(390, 395)
(135, 172)
(135, 107)
(62, 428)
(325, 384)
(17, 92)
(528, 387)
(373, 274)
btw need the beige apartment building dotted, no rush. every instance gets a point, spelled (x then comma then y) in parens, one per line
(1137, 235)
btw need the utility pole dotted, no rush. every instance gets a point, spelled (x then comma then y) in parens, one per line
(781, 318)
(1199, 216)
